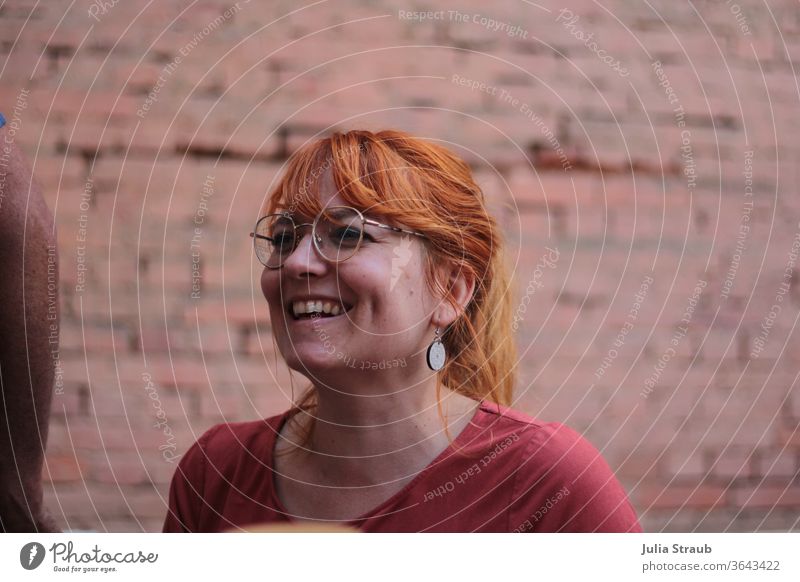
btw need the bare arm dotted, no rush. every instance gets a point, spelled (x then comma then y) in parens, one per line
(28, 324)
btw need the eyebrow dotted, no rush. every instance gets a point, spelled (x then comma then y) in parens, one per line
(303, 219)
(293, 215)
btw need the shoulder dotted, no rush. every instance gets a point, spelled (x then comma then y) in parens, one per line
(561, 481)
(205, 473)
(545, 438)
(551, 441)
(523, 447)
(223, 444)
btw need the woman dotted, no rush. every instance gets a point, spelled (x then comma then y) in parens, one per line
(397, 309)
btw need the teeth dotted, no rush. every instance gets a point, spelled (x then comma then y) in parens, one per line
(316, 306)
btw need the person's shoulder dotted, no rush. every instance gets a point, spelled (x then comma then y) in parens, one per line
(227, 441)
(529, 445)
(556, 465)
(544, 442)
(538, 436)
(505, 417)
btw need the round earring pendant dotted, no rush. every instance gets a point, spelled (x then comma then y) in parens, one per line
(436, 356)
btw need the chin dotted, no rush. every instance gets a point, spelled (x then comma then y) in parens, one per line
(306, 362)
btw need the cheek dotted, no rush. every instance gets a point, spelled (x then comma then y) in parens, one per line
(265, 284)
(269, 286)
(409, 298)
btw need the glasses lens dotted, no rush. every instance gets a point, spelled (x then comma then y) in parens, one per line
(274, 240)
(339, 231)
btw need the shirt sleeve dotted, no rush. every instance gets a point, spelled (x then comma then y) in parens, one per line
(563, 484)
(186, 499)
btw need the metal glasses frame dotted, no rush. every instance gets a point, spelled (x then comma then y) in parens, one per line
(315, 237)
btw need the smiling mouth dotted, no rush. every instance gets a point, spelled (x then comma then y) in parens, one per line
(314, 309)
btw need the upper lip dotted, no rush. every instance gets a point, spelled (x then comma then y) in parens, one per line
(311, 296)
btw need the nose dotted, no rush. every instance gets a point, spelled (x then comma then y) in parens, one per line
(305, 259)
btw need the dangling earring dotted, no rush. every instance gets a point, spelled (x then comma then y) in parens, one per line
(436, 353)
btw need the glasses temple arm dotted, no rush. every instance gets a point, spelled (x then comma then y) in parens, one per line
(395, 228)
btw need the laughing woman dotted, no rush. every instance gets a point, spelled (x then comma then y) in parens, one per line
(386, 287)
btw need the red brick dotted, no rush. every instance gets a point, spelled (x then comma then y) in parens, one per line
(146, 506)
(179, 373)
(775, 462)
(788, 436)
(218, 404)
(72, 400)
(639, 467)
(118, 472)
(701, 497)
(733, 463)
(90, 435)
(767, 496)
(684, 465)
(62, 468)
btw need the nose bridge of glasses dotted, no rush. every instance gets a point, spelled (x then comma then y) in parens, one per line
(298, 226)
(299, 235)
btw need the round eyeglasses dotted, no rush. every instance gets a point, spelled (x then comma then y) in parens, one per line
(337, 233)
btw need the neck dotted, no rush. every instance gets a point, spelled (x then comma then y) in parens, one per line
(370, 438)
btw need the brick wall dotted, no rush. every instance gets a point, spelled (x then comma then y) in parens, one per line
(657, 159)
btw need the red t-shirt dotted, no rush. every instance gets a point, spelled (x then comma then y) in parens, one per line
(505, 472)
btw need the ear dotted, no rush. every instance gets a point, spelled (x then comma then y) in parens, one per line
(461, 283)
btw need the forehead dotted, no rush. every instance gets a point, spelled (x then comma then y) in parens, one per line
(314, 188)
(326, 194)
